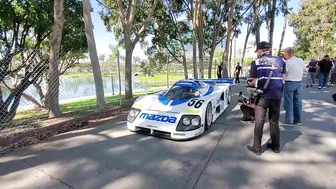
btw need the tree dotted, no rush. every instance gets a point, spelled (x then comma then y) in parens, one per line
(314, 26)
(93, 55)
(130, 20)
(73, 44)
(249, 28)
(55, 45)
(257, 24)
(23, 28)
(25, 31)
(215, 30)
(285, 11)
(170, 35)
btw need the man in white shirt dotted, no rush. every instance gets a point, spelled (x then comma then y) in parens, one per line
(292, 88)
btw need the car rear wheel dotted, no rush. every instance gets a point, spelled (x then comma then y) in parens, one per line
(208, 117)
(229, 96)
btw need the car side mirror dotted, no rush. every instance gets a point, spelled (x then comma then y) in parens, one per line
(197, 93)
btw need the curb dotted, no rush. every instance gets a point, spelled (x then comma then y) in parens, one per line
(20, 139)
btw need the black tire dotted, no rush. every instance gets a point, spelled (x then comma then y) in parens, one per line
(207, 126)
(229, 96)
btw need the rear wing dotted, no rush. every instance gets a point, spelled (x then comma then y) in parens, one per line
(217, 81)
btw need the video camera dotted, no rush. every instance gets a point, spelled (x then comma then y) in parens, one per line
(253, 94)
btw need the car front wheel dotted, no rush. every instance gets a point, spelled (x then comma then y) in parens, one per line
(208, 117)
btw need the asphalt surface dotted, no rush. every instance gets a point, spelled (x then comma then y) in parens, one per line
(109, 156)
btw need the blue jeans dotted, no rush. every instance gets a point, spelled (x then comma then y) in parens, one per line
(293, 102)
(323, 79)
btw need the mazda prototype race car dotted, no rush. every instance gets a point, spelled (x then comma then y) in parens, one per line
(184, 111)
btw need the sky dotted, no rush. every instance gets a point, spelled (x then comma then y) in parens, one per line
(104, 39)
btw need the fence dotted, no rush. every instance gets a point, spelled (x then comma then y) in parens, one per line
(30, 92)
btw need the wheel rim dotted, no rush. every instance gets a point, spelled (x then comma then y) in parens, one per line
(209, 116)
(229, 99)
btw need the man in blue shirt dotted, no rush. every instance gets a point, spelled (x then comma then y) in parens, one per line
(270, 97)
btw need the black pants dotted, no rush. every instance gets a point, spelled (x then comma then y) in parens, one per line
(248, 112)
(237, 78)
(273, 106)
(219, 76)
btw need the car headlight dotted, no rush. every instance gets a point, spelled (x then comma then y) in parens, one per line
(186, 121)
(195, 121)
(133, 113)
(189, 123)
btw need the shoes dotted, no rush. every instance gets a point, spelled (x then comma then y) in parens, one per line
(255, 151)
(298, 123)
(307, 86)
(287, 124)
(273, 148)
(319, 87)
(311, 85)
(246, 121)
(324, 87)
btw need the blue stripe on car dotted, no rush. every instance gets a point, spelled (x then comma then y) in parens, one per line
(210, 90)
(186, 84)
(177, 102)
(163, 100)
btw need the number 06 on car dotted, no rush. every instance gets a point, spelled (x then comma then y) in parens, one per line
(184, 111)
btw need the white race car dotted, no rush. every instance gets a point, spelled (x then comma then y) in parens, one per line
(184, 111)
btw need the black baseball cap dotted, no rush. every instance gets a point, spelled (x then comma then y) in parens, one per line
(263, 45)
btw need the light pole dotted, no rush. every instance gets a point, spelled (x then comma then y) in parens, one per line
(112, 83)
(167, 72)
(119, 77)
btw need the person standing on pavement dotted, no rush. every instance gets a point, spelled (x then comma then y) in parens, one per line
(311, 68)
(292, 88)
(219, 71)
(270, 98)
(333, 74)
(237, 72)
(324, 69)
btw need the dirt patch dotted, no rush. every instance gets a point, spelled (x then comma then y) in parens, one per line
(45, 129)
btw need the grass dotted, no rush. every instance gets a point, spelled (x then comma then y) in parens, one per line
(160, 77)
(71, 108)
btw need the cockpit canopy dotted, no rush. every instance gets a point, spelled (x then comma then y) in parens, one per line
(185, 89)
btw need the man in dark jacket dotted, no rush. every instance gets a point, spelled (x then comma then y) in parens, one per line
(311, 68)
(270, 98)
(324, 68)
(219, 71)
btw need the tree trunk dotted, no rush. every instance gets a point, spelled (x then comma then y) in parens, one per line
(272, 24)
(93, 55)
(184, 64)
(40, 93)
(212, 51)
(249, 29)
(24, 95)
(282, 34)
(194, 38)
(268, 10)
(256, 21)
(128, 68)
(55, 44)
(230, 55)
(226, 54)
(200, 39)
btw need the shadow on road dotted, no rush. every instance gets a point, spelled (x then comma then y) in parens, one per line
(109, 156)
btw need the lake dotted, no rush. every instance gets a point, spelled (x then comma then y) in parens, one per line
(74, 88)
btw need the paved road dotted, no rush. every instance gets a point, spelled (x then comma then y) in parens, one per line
(109, 156)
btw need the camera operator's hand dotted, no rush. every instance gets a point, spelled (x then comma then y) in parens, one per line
(251, 105)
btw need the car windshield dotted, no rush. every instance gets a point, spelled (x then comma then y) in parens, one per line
(180, 92)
